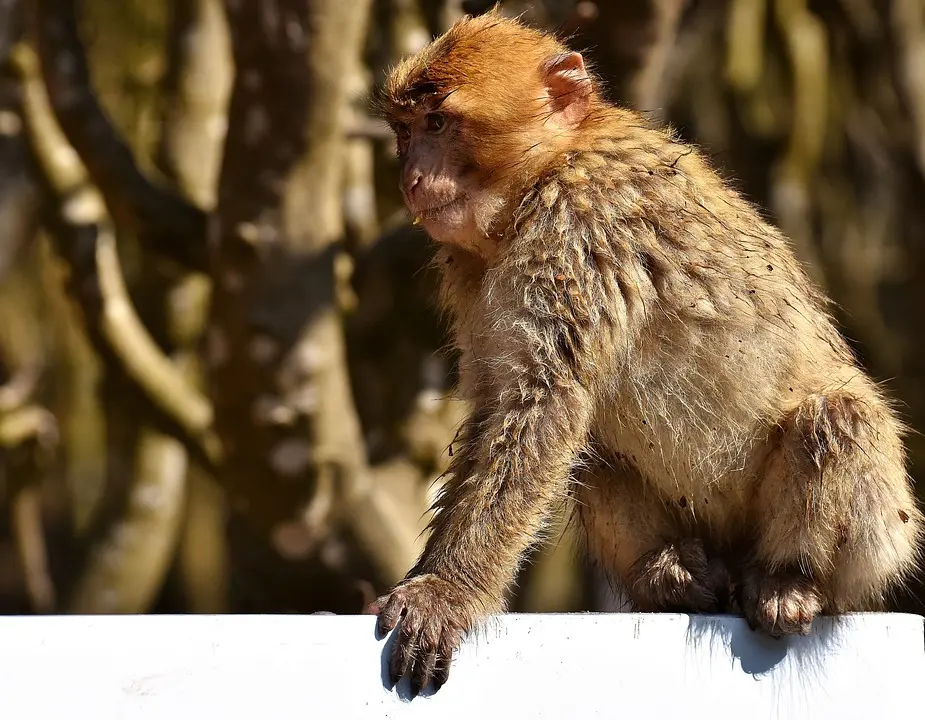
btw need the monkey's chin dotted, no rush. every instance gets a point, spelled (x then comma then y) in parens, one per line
(448, 221)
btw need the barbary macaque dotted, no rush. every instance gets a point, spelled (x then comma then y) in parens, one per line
(637, 340)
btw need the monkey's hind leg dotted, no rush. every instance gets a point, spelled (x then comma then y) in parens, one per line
(635, 538)
(837, 521)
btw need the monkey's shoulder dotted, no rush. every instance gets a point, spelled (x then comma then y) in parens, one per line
(661, 182)
(613, 233)
(653, 199)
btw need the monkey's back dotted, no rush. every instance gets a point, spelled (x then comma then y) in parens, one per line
(710, 329)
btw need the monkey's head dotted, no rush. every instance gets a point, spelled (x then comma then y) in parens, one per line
(478, 114)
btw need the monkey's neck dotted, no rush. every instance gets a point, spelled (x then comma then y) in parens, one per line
(461, 272)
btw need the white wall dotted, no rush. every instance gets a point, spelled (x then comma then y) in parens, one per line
(521, 666)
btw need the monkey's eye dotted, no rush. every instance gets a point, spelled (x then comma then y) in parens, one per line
(402, 131)
(435, 123)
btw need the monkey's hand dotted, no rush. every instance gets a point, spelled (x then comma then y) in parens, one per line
(434, 614)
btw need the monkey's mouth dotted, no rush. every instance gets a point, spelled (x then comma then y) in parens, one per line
(434, 211)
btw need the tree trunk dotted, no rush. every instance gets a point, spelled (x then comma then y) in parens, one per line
(278, 376)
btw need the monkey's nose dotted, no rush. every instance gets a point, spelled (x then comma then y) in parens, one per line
(411, 180)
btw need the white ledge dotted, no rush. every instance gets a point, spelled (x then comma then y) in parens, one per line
(519, 666)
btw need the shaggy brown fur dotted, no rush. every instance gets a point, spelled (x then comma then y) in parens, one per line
(635, 335)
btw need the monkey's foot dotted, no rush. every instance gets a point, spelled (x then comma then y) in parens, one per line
(433, 616)
(780, 604)
(679, 577)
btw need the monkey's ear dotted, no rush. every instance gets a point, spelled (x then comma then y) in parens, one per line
(568, 87)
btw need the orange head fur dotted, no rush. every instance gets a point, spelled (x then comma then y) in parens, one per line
(513, 99)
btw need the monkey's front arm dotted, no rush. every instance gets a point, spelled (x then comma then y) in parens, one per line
(513, 464)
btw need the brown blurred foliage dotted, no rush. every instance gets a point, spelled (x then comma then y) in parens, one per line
(224, 386)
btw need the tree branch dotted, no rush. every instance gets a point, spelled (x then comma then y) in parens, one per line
(196, 88)
(28, 426)
(28, 531)
(290, 419)
(88, 244)
(163, 220)
(129, 562)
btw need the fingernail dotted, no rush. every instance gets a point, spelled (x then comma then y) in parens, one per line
(381, 627)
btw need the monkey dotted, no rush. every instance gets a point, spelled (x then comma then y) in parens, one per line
(636, 340)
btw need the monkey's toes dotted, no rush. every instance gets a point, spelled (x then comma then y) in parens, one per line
(780, 604)
(680, 577)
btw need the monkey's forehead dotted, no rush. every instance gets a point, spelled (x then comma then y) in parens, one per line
(489, 53)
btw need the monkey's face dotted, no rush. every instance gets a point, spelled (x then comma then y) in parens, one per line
(478, 115)
(461, 165)
(437, 187)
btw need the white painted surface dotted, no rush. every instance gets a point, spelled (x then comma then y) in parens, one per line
(521, 666)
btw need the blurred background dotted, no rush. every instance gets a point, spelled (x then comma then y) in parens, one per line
(224, 384)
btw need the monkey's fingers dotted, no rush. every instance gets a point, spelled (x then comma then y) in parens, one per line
(441, 672)
(425, 663)
(391, 610)
(403, 654)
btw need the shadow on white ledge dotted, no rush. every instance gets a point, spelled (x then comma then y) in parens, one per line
(623, 665)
